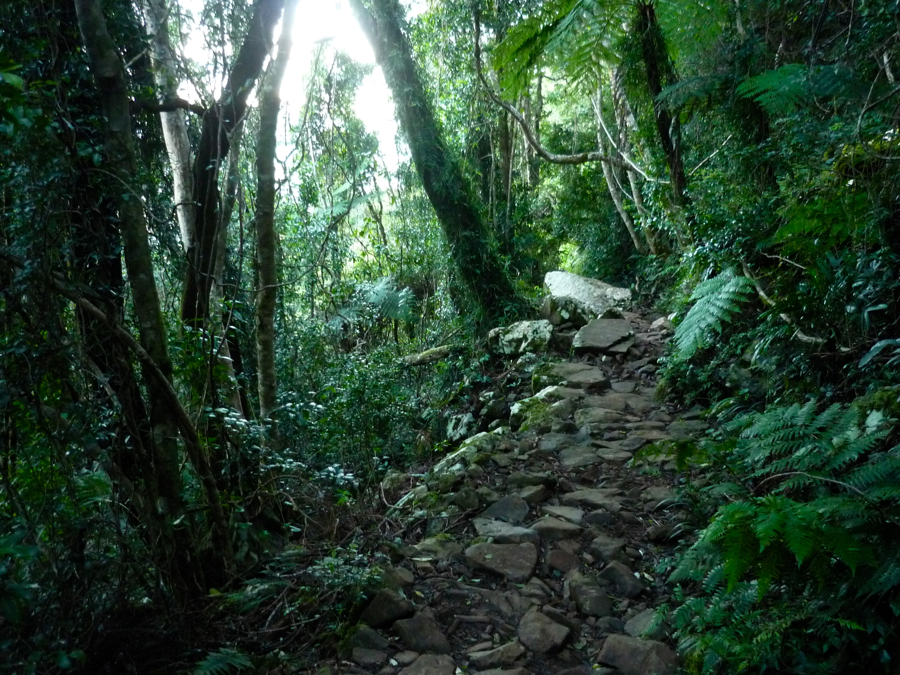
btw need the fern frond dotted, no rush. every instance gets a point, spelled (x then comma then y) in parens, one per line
(223, 662)
(779, 91)
(716, 302)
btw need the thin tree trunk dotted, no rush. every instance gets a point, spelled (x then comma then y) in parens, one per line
(450, 194)
(659, 73)
(109, 72)
(266, 236)
(178, 145)
(215, 140)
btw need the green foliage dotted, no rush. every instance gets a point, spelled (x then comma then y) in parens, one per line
(223, 662)
(716, 302)
(794, 571)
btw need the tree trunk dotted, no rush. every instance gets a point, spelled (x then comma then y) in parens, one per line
(450, 194)
(109, 72)
(659, 73)
(215, 140)
(178, 145)
(266, 237)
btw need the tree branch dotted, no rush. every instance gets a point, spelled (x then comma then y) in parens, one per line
(543, 153)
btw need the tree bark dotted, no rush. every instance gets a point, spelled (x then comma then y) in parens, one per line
(266, 236)
(109, 72)
(215, 140)
(659, 73)
(178, 145)
(450, 194)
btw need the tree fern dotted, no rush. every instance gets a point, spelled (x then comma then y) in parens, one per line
(716, 302)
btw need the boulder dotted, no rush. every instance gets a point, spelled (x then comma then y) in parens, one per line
(541, 634)
(633, 656)
(521, 337)
(596, 296)
(386, 607)
(562, 309)
(421, 634)
(431, 664)
(459, 427)
(602, 335)
(514, 561)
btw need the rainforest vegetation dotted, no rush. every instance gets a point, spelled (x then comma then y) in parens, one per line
(206, 294)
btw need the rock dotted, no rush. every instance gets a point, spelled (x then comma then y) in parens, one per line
(570, 513)
(386, 607)
(504, 533)
(511, 509)
(503, 671)
(514, 561)
(600, 518)
(553, 443)
(577, 456)
(552, 529)
(521, 479)
(601, 334)
(604, 498)
(531, 414)
(659, 533)
(624, 579)
(608, 548)
(645, 624)
(586, 416)
(397, 577)
(521, 337)
(466, 499)
(422, 634)
(655, 495)
(562, 561)
(366, 637)
(565, 310)
(362, 656)
(569, 376)
(459, 427)
(431, 664)
(406, 657)
(591, 599)
(541, 634)
(638, 657)
(505, 655)
(535, 494)
(440, 547)
(595, 295)
(614, 455)
(495, 410)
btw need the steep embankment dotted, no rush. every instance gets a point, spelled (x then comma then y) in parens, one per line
(536, 550)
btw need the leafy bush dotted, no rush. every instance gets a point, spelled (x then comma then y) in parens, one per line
(797, 571)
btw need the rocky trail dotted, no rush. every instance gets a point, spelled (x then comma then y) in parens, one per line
(534, 547)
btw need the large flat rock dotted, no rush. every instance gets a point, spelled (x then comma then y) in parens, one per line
(595, 295)
(514, 561)
(602, 334)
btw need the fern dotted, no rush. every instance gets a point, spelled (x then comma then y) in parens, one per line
(716, 302)
(802, 553)
(223, 662)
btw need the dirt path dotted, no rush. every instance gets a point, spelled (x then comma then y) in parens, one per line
(536, 550)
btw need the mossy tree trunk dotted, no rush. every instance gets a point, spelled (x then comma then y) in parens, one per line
(109, 73)
(441, 173)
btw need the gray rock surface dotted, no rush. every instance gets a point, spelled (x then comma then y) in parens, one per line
(597, 296)
(386, 607)
(634, 656)
(431, 664)
(541, 634)
(422, 634)
(601, 335)
(514, 561)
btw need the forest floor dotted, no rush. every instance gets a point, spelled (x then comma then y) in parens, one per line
(539, 551)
